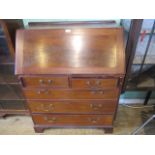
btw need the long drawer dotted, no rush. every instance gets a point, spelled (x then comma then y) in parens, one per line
(70, 94)
(45, 81)
(73, 120)
(78, 107)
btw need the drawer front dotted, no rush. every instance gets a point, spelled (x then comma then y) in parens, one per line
(73, 120)
(95, 107)
(54, 82)
(96, 83)
(70, 94)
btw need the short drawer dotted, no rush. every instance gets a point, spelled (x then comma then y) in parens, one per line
(73, 120)
(44, 81)
(70, 94)
(95, 107)
(96, 83)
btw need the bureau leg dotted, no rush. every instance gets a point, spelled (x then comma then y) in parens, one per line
(108, 130)
(38, 129)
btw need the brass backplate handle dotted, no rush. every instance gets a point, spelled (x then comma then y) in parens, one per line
(51, 119)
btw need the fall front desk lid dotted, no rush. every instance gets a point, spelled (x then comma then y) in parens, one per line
(70, 51)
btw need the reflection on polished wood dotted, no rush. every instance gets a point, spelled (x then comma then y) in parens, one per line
(68, 51)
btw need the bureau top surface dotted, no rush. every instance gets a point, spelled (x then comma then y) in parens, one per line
(70, 51)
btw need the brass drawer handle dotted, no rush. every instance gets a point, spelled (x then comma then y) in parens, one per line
(98, 82)
(39, 92)
(46, 108)
(95, 106)
(94, 120)
(51, 120)
(42, 91)
(97, 91)
(101, 92)
(49, 108)
(50, 82)
(41, 81)
(88, 82)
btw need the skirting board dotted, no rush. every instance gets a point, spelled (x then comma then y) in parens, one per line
(135, 101)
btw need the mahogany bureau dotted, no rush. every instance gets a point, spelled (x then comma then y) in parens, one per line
(71, 77)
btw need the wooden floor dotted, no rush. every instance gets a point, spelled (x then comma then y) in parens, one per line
(127, 120)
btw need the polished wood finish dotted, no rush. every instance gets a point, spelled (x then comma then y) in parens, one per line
(46, 81)
(94, 83)
(73, 51)
(71, 77)
(70, 94)
(78, 107)
(73, 120)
